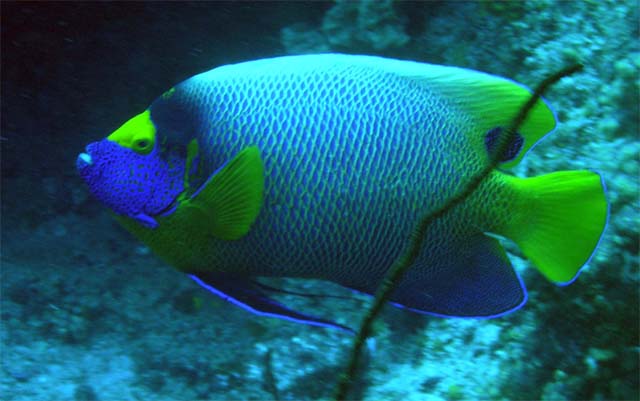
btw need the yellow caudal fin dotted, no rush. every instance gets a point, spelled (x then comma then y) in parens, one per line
(564, 215)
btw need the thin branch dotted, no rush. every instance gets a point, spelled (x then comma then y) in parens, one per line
(407, 259)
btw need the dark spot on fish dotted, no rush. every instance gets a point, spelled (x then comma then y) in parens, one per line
(512, 148)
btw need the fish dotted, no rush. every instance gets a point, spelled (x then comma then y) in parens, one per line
(320, 166)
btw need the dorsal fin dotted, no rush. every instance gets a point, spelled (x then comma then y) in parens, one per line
(490, 100)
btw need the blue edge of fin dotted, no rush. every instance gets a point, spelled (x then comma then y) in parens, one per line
(485, 285)
(244, 293)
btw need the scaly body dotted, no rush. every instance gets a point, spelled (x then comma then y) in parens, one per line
(355, 150)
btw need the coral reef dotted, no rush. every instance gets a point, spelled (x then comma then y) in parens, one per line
(350, 26)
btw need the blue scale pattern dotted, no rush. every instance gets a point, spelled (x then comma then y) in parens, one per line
(354, 155)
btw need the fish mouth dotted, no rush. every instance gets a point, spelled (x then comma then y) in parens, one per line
(83, 161)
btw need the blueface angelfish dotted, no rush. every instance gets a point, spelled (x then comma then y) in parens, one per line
(320, 166)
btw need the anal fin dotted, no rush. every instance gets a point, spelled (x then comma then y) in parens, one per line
(477, 281)
(245, 293)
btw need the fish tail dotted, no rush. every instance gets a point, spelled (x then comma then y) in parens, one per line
(560, 219)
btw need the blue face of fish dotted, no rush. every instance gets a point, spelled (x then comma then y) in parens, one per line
(130, 173)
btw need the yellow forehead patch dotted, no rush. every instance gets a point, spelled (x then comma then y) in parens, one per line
(137, 134)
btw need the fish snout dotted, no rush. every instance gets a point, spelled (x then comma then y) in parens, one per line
(83, 160)
(86, 159)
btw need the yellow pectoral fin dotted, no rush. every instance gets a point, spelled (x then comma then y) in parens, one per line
(229, 202)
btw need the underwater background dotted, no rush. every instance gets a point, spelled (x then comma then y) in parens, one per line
(88, 313)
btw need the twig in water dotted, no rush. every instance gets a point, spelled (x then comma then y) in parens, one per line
(407, 259)
(269, 377)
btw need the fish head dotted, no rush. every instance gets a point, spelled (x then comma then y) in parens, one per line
(133, 173)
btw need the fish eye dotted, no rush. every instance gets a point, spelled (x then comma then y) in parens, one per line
(142, 144)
